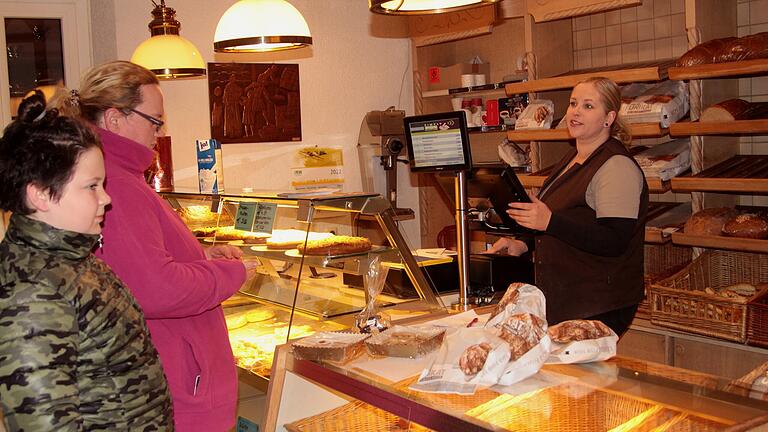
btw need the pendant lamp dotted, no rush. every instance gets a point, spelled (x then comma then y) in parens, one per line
(165, 53)
(260, 26)
(423, 7)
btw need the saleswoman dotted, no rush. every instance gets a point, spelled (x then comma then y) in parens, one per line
(590, 217)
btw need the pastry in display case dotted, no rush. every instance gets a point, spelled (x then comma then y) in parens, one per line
(309, 259)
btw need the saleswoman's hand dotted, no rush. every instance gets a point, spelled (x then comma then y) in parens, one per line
(223, 251)
(509, 246)
(534, 215)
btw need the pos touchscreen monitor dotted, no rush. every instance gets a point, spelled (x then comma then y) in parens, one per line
(438, 142)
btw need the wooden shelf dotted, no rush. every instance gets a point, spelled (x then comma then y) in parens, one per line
(628, 73)
(655, 184)
(639, 130)
(737, 174)
(740, 127)
(485, 88)
(719, 70)
(720, 242)
(664, 216)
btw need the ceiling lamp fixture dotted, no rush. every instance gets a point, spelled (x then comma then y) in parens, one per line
(260, 26)
(422, 7)
(165, 53)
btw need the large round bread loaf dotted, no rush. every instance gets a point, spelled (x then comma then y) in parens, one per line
(709, 221)
(735, 109)
(728, 49)
(747, 225)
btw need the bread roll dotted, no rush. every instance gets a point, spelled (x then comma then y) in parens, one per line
(473, 358)
(709, 221)
(735, 109)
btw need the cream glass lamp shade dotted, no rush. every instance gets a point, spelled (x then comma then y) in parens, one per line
(261, 25)
(421, 7)
(165, 53)
(169, 56)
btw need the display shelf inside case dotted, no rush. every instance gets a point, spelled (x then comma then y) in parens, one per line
(741, 173)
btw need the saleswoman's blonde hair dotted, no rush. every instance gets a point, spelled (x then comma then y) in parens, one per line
(116, 84)
(610, 95)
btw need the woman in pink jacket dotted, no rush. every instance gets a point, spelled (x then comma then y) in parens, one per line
(178, 284)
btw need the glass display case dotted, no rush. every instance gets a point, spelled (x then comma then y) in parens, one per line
(621, 394)
(291, 294)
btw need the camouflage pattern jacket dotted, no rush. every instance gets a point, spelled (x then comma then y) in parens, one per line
(75, 352)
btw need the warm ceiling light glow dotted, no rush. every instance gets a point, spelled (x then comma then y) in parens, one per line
(261, 25)
(416, 7)
(165, 53)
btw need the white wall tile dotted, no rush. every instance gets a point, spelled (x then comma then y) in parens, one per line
(613, 17)
(745, 87)
(613, 54)
(677, 24)
(662, 7)
(645, 30)
(629, 32)
(677, 6)
(583, 40)
(742, 14)
(581, 23)
(628, 15)
(612, 34)
(760, 86)
(645, 10)
(629, 52)
(758, 12)
(599, 57)
(597, 20)
(583, 59)
(645, 51)
(679, 46)
(597, 36)
(663, 48)
(661, 27)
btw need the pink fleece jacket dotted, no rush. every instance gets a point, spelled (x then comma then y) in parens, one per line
(179, 290)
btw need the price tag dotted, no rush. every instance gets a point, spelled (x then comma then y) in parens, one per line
(256, 217)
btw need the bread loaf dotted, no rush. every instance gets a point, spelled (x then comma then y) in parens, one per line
(746, 225)
(709, 221)
(522, 332)
(577, 330)
(473, 358)
(735, 109)
(726, 50)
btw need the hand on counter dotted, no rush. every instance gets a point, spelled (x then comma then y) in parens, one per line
(509, 246)
(223, 251)
(534, 215)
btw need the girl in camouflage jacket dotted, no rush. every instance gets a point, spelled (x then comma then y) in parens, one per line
(75, 353)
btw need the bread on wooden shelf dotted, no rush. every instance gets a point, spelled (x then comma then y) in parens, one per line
(725, 50)
(709, 221)
(735, 109)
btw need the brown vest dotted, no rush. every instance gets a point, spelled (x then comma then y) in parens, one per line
(578, 284)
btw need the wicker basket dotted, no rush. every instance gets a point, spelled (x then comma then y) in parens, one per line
(660, 259)
(679, 302)
(355, 416)
(757, 321)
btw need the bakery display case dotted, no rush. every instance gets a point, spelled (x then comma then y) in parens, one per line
(311, 266)
(376, 393)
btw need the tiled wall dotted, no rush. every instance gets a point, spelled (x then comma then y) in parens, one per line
(752, 17)
(652, 31)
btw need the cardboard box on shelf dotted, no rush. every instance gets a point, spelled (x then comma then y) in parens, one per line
(210, 166)
(446, 77)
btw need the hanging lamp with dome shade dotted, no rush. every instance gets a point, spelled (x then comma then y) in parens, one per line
(166, 53)
(261, 26)
(423, 7)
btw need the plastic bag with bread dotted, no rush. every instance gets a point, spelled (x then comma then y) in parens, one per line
(581, 341)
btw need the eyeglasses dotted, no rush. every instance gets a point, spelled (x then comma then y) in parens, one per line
(155, 121)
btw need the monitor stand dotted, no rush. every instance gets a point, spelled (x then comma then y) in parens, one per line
(462, 242)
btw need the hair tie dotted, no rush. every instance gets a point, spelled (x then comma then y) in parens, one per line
(40, 116)
(74, 96)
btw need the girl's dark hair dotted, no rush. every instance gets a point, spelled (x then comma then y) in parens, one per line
(40, 147)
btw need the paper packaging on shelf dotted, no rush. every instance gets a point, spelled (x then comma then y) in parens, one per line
(663, 103)
(445, 77)
(537, 115)
(210, 169)
(665, 160)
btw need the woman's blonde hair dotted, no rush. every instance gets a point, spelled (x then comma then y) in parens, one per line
(116, 84)
(610, 95)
